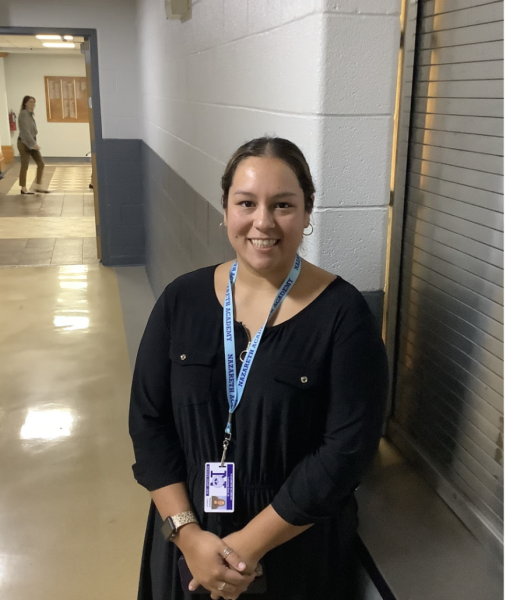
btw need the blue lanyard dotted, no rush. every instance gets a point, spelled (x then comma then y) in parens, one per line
(235, 386)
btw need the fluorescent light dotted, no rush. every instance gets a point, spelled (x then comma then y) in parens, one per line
(69, 38)
(59, 45)
(48, 37)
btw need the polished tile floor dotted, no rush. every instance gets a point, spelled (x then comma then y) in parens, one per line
(48, 229)
(71, 516)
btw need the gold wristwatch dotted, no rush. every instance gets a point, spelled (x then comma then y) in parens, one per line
(172, 525)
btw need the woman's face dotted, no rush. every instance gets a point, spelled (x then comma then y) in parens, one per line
(30, 105)
(265, 216)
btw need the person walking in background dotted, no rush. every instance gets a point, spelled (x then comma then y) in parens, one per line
(27, 145)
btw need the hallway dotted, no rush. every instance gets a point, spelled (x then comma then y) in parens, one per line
(71, 517)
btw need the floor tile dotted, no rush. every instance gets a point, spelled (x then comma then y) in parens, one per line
(39, 258)
(76, 242)
(40, 243)
(11, 210)
(54, 224)
(52, 201)
(90, 252)
(49, 212)
(11, 227)
(11, 245)
(53, 196)
(63, 253)
(89, 242)
(10, 259)
(76, 259)
(72, 210)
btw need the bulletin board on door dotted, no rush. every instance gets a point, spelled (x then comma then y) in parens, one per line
(66, 99)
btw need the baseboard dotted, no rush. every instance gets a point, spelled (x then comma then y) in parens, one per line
(374, 573)
(70, 159)
(124, 261)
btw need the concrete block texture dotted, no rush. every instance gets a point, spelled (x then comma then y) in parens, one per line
(281, 69)
(353, 245)
(361, 57)
(235, 20)
(354, 161)
(220, 130)
(379, 7)
(264, 14)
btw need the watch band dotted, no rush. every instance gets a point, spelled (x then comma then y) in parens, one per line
(172, 525)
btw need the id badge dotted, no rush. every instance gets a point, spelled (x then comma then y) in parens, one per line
(219, 488)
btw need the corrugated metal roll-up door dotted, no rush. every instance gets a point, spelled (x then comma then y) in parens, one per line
(448, 388)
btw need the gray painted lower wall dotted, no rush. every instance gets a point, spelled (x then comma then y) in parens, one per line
(183, 230)
(121, 203)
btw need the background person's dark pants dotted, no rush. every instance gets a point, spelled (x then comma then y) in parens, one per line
(25, 153)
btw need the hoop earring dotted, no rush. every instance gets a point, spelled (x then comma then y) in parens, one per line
(312, 229)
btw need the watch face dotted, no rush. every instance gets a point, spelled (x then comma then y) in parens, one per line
(168, 529)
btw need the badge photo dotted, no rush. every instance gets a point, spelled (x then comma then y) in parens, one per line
(219, 487)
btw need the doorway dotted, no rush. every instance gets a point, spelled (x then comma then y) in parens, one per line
(60, 227)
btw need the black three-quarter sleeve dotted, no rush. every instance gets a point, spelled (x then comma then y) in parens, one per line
(158, 455)
(357, 395)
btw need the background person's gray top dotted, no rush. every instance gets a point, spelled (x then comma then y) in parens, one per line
(27, 128)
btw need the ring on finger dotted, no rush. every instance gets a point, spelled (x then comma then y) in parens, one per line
(221, 587)
(226, 552)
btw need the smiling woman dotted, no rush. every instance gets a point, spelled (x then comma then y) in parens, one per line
(275, 366)
(265, 214)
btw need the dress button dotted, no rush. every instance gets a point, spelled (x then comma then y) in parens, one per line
(304, 379)
(183, 357)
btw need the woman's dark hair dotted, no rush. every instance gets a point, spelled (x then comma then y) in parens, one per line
(25, 100)
(271, 147)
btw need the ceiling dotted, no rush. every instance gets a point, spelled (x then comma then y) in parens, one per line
(29, 44)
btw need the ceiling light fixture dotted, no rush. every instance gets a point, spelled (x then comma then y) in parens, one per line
(59, 45)
(69, 38)
(48, 37)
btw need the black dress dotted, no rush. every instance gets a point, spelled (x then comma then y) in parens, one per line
(307, 427)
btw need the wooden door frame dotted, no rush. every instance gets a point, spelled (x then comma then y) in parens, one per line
(98, 147)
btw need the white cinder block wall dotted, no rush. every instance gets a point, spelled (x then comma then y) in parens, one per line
(114, 21)
(319, 72)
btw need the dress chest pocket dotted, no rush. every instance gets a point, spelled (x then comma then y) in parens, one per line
(191, 374)
(297, 381)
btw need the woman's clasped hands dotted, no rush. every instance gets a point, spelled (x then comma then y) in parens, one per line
(215, 565)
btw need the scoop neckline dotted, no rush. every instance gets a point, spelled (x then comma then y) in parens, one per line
(295, 316)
